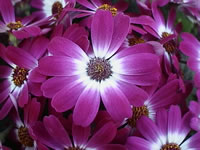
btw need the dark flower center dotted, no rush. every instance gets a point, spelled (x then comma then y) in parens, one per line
(99, 69)
(170, 46)
(15, 25)
(24, 137)
(171, 146)
(137, 113)
(109, 8)
(57, 8)
(134, 41)
(19, 76)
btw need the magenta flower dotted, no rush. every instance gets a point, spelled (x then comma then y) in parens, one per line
(168, 133)
(21, 76)
(159, 98)
(23, 130)
(20, 28)
(81, 79)
(81, 136)
(195, 109)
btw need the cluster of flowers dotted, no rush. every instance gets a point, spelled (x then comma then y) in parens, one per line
(91, 75)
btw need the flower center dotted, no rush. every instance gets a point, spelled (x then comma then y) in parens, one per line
(109, 8)
(15, 25)
(170, 46)
(134, 41)
(19, 76)
(170, 146)
(24, 137)
(57, 8)
(99, 69)
(137, 113)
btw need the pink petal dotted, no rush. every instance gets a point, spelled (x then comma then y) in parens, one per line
(148, 129)
(7, 11)
(61, 46)
(166, 95)
(39, 130)
(21, 57)
(80, 134)
(136, 143)
(39, 47)
(101, 32)
(102, 137)
(87, 106)
(5, 109)
(67, 97)
(174, 121)
(195, 108)
(33, 111)
(57, 66)
(52, 124)
(35, 76)
(23, 96)
(5, 71)
(120, 31)
(115, 102)
(35, 88)
(49, 89)
(135, 95)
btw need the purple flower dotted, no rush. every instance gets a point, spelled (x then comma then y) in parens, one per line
(81, 136)
(159, 98)
(23, 130)
(21, 76)
(20, 28)
(169, 132)
(81, 79)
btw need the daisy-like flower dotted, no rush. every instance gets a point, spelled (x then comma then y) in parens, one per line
(20, 28)
(190, 46)
(81, 79)
(158, 28)
(23, 130)
(168, 133)
(195, 109)
(82, 138)
(161, 98)
(51, 7)
(21, 76)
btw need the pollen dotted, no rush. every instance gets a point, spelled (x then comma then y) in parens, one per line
(24, 137)
(113, 10)
(170, 46)
(99, 69)
(135, 40)
(19, 76)
(171, 146)
(15, 25)
(138, 112)
(57, 8)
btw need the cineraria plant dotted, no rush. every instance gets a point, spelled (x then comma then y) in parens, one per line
(99, 74)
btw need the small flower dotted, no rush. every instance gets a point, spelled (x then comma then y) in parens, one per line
(21, 76)
(167, 133)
